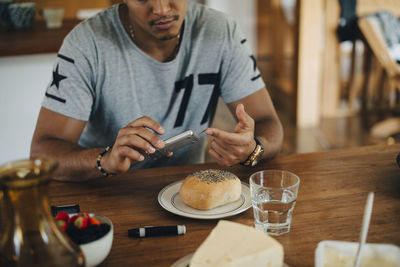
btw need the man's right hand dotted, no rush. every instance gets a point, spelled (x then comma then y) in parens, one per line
(132, 145)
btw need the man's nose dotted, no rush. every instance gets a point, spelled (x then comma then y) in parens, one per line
(161, 7)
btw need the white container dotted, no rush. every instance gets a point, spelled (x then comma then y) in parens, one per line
(342, 254)
(96, 252)
(53, 17)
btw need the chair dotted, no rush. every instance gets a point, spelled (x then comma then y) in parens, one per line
(385, 99)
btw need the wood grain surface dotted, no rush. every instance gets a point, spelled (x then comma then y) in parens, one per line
(333, 190)
(36, 40)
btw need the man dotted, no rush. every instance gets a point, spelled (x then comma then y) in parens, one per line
(146, 70)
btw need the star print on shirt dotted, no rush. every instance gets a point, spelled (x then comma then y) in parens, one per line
(255, 68)
(57, 78)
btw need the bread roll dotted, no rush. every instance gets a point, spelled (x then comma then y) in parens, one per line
(208, 189)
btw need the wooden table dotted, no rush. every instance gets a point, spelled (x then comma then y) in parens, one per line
(333, 190)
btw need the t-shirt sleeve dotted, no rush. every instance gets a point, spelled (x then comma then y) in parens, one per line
(71, 89)
(240, 75)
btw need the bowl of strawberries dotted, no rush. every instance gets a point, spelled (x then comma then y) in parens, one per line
(92, 232)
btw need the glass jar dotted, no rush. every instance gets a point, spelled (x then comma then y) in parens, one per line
(28, 233)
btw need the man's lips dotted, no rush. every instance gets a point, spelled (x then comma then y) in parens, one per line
(164, 25)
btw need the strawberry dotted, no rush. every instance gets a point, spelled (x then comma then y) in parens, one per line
(62, 224)
(72, 219)
(84, 214)
(94, 221)
(81, 222)
(62, 216)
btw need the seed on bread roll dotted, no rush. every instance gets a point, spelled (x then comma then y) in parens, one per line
(208, 189)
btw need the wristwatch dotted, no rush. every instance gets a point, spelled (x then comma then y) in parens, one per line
(256, 155)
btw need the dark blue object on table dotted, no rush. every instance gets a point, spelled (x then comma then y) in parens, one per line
(22, 15)
(5, 15)
(398, 159)
(74, 208)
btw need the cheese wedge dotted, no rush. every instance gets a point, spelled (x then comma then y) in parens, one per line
(233, 244)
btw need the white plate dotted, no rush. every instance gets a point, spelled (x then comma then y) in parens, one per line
(170, 200)
(184, 261)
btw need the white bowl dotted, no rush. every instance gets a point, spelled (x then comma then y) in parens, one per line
(340, 254)
(96, 251)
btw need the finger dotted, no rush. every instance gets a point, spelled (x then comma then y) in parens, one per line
(245, 121)
(170, 154)
(220, 160)
(225, 152)
(120, 159)
(234, 150)
(227, 137)
(136, 142)
(148, 122)
(153, 140)
(132, 154)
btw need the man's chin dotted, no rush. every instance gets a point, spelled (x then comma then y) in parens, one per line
(168, 37)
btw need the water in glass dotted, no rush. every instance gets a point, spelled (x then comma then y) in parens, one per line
(273, 210)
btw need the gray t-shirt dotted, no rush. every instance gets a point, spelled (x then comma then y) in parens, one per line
(103, 78)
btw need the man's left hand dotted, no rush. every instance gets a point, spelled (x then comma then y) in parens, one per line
(231, 148)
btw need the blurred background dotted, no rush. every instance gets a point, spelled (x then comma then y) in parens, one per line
(331, 66)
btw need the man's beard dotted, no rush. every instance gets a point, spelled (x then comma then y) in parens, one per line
(170, 37)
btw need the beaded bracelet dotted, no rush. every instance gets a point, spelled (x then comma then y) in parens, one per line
(108, 148)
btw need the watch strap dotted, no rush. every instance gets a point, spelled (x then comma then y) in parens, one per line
(254, 155)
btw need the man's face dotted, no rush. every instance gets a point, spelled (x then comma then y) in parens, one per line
(161, 19)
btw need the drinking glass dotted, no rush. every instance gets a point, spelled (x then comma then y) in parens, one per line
(273, 194)
(53, 17)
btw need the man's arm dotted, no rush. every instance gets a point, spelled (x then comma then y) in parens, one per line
(256, 117)
(56, 136)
